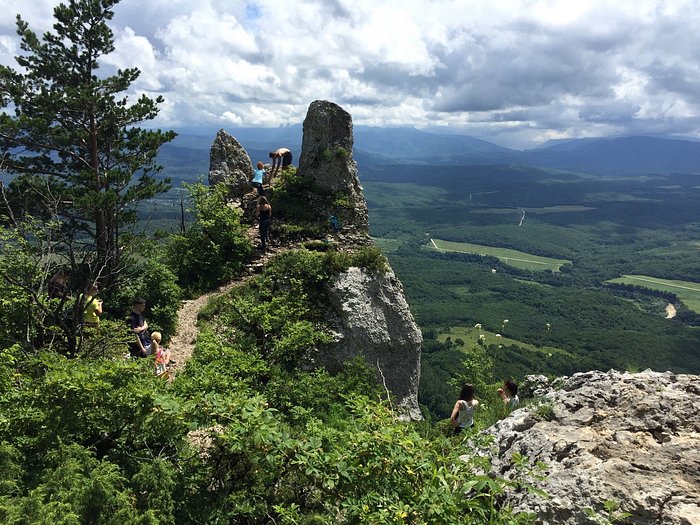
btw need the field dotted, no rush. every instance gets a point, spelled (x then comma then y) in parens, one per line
(517, 259)
(471, 336)
(688, 292)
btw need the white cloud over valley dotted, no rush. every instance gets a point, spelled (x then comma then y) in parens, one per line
(514, 72)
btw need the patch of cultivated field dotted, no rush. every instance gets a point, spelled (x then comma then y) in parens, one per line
(512, 257)
(470, 336)
(386, 245)
(687, 291)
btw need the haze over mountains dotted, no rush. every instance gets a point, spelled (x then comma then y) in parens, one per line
(614, 156)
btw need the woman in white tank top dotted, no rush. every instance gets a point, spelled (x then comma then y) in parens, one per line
(463, 413)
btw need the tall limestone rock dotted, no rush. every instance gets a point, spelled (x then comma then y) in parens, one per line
(369, 312)
(230, 164)
(326, 160)
(371, 318)
(630, 438)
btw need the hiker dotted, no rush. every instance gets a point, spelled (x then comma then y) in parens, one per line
(264, 212)
(58, 285)
(162, 354)
(258, 175)
(463, 413)
(92, 307)
(509, 393)
(335, 223)
(142, 345)
(281, 157)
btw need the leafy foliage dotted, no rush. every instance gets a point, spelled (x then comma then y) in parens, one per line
(213, 248)
(72, 135)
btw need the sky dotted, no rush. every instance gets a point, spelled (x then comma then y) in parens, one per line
(513, 72)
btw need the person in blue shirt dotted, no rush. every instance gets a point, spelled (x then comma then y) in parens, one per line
(258, 175)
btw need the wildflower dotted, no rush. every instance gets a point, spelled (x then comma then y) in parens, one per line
(493, 270)
(500, 346)
(482, 337)
(498, 335)
(548, 326)
(505, 321)
(549, 354)
(477, 326)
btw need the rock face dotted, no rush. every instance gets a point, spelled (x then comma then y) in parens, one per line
(372, 319)
(631, 438)
(229, 163)
(326, 159)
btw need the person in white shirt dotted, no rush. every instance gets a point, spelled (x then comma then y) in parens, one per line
(463, 413)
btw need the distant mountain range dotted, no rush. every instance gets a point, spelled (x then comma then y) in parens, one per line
(377, 146)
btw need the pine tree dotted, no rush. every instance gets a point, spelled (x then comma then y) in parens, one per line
(70, 135)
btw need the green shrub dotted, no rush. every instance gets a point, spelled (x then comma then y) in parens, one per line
(214, 247)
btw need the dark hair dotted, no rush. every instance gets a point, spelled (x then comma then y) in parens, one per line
(512, 387)
(139, 300)
(262, 200)
(467, 392)
(272, 154)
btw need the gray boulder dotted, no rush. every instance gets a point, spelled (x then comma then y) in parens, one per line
(371, 318)
(230, 164)
(630, 438)
(326, 160)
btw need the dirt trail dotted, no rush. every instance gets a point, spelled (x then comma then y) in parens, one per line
(183, 341)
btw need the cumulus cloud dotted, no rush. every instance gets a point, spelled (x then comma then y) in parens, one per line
(515, 72)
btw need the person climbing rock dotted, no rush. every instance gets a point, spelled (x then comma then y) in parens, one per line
(264, 212)
(258, 175)
(281, 157)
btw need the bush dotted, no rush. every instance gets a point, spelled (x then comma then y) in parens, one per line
(214, 247)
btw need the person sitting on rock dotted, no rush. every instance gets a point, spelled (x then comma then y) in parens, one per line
(463, 413)
(258, 175)
(509, 393)
(281, 157)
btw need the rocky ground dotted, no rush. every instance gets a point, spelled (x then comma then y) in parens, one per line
(609, 436)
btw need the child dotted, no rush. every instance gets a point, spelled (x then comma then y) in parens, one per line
(162, 354)
(463, 413)
(509, 393)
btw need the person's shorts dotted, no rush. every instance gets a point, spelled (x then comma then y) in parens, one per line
(286, 159)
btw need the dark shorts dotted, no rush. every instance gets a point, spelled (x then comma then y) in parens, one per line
(286, 159)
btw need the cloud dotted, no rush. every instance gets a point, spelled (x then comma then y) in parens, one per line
(514, 72)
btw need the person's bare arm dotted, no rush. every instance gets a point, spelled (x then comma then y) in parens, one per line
(455, 414)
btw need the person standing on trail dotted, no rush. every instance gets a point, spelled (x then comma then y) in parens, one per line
(142, 345)
(162, 354)
(92, 307)
(264, 212)
(281, 157)
(258, 175)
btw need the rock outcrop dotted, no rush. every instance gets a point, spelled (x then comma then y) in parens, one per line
(326, 160)
(230, 164)
(368, 313)
(371, 318)
(630, 438)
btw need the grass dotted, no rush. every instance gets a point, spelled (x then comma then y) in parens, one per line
(514, 258)
(470, 336)
(687, 291)
(386, 245)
